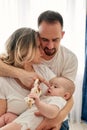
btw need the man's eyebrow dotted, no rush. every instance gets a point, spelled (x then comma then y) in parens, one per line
(44, 38)
(48, 39)
(55, 38)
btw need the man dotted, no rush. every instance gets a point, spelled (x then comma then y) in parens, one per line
(58, 58)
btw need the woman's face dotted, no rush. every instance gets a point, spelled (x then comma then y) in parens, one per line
(38, 54)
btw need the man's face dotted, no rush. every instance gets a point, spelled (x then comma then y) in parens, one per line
(50, 35)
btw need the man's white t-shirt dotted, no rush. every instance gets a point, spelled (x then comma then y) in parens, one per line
(64, 63)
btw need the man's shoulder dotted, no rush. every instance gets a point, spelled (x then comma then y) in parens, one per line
(67, 56)
(40, 66)
(67, 52)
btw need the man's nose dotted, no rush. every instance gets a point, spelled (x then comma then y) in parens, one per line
(50, 45)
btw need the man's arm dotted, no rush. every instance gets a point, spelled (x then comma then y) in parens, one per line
(8, 70)
(26, 78)
(55, 123)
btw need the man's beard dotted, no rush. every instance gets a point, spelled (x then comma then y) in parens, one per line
(49, 52)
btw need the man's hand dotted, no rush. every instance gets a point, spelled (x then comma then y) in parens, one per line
(28, 78)
(48, 124)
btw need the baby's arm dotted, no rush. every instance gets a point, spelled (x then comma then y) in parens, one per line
(48, 110)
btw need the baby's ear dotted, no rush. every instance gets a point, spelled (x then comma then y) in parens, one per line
(67, 96)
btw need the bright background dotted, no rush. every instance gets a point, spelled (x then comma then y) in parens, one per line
(24, 13)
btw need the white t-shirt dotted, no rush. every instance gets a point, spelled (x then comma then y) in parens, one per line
(29, 120)
(15, 94)
(64, 63)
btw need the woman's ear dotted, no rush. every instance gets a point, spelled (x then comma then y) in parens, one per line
(67, 95)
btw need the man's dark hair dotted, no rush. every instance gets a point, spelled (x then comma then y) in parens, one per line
(50, 17)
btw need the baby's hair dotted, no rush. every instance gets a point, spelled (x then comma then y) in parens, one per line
(69, 85)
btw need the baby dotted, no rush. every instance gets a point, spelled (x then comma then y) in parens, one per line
(48, 105)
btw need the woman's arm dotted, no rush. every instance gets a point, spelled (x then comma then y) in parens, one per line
(3, 106)
(55, 123)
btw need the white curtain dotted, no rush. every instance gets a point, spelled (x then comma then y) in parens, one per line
(13, 14)
(20, 13)
(75, 40)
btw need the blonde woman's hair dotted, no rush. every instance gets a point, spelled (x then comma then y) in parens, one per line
(22, 43)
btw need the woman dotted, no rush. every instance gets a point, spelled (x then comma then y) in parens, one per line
(23, 51)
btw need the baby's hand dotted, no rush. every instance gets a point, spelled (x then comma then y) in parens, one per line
(35, 97)
(29, 101)
(35, 91)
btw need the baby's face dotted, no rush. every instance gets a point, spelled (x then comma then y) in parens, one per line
(56, 88)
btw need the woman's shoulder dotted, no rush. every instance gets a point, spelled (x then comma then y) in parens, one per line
(40, 67)
(44, 71)
(4, 80)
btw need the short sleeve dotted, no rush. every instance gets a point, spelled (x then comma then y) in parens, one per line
(2, 88)
(58, 101)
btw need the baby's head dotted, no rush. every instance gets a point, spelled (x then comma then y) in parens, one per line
(61, 86)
